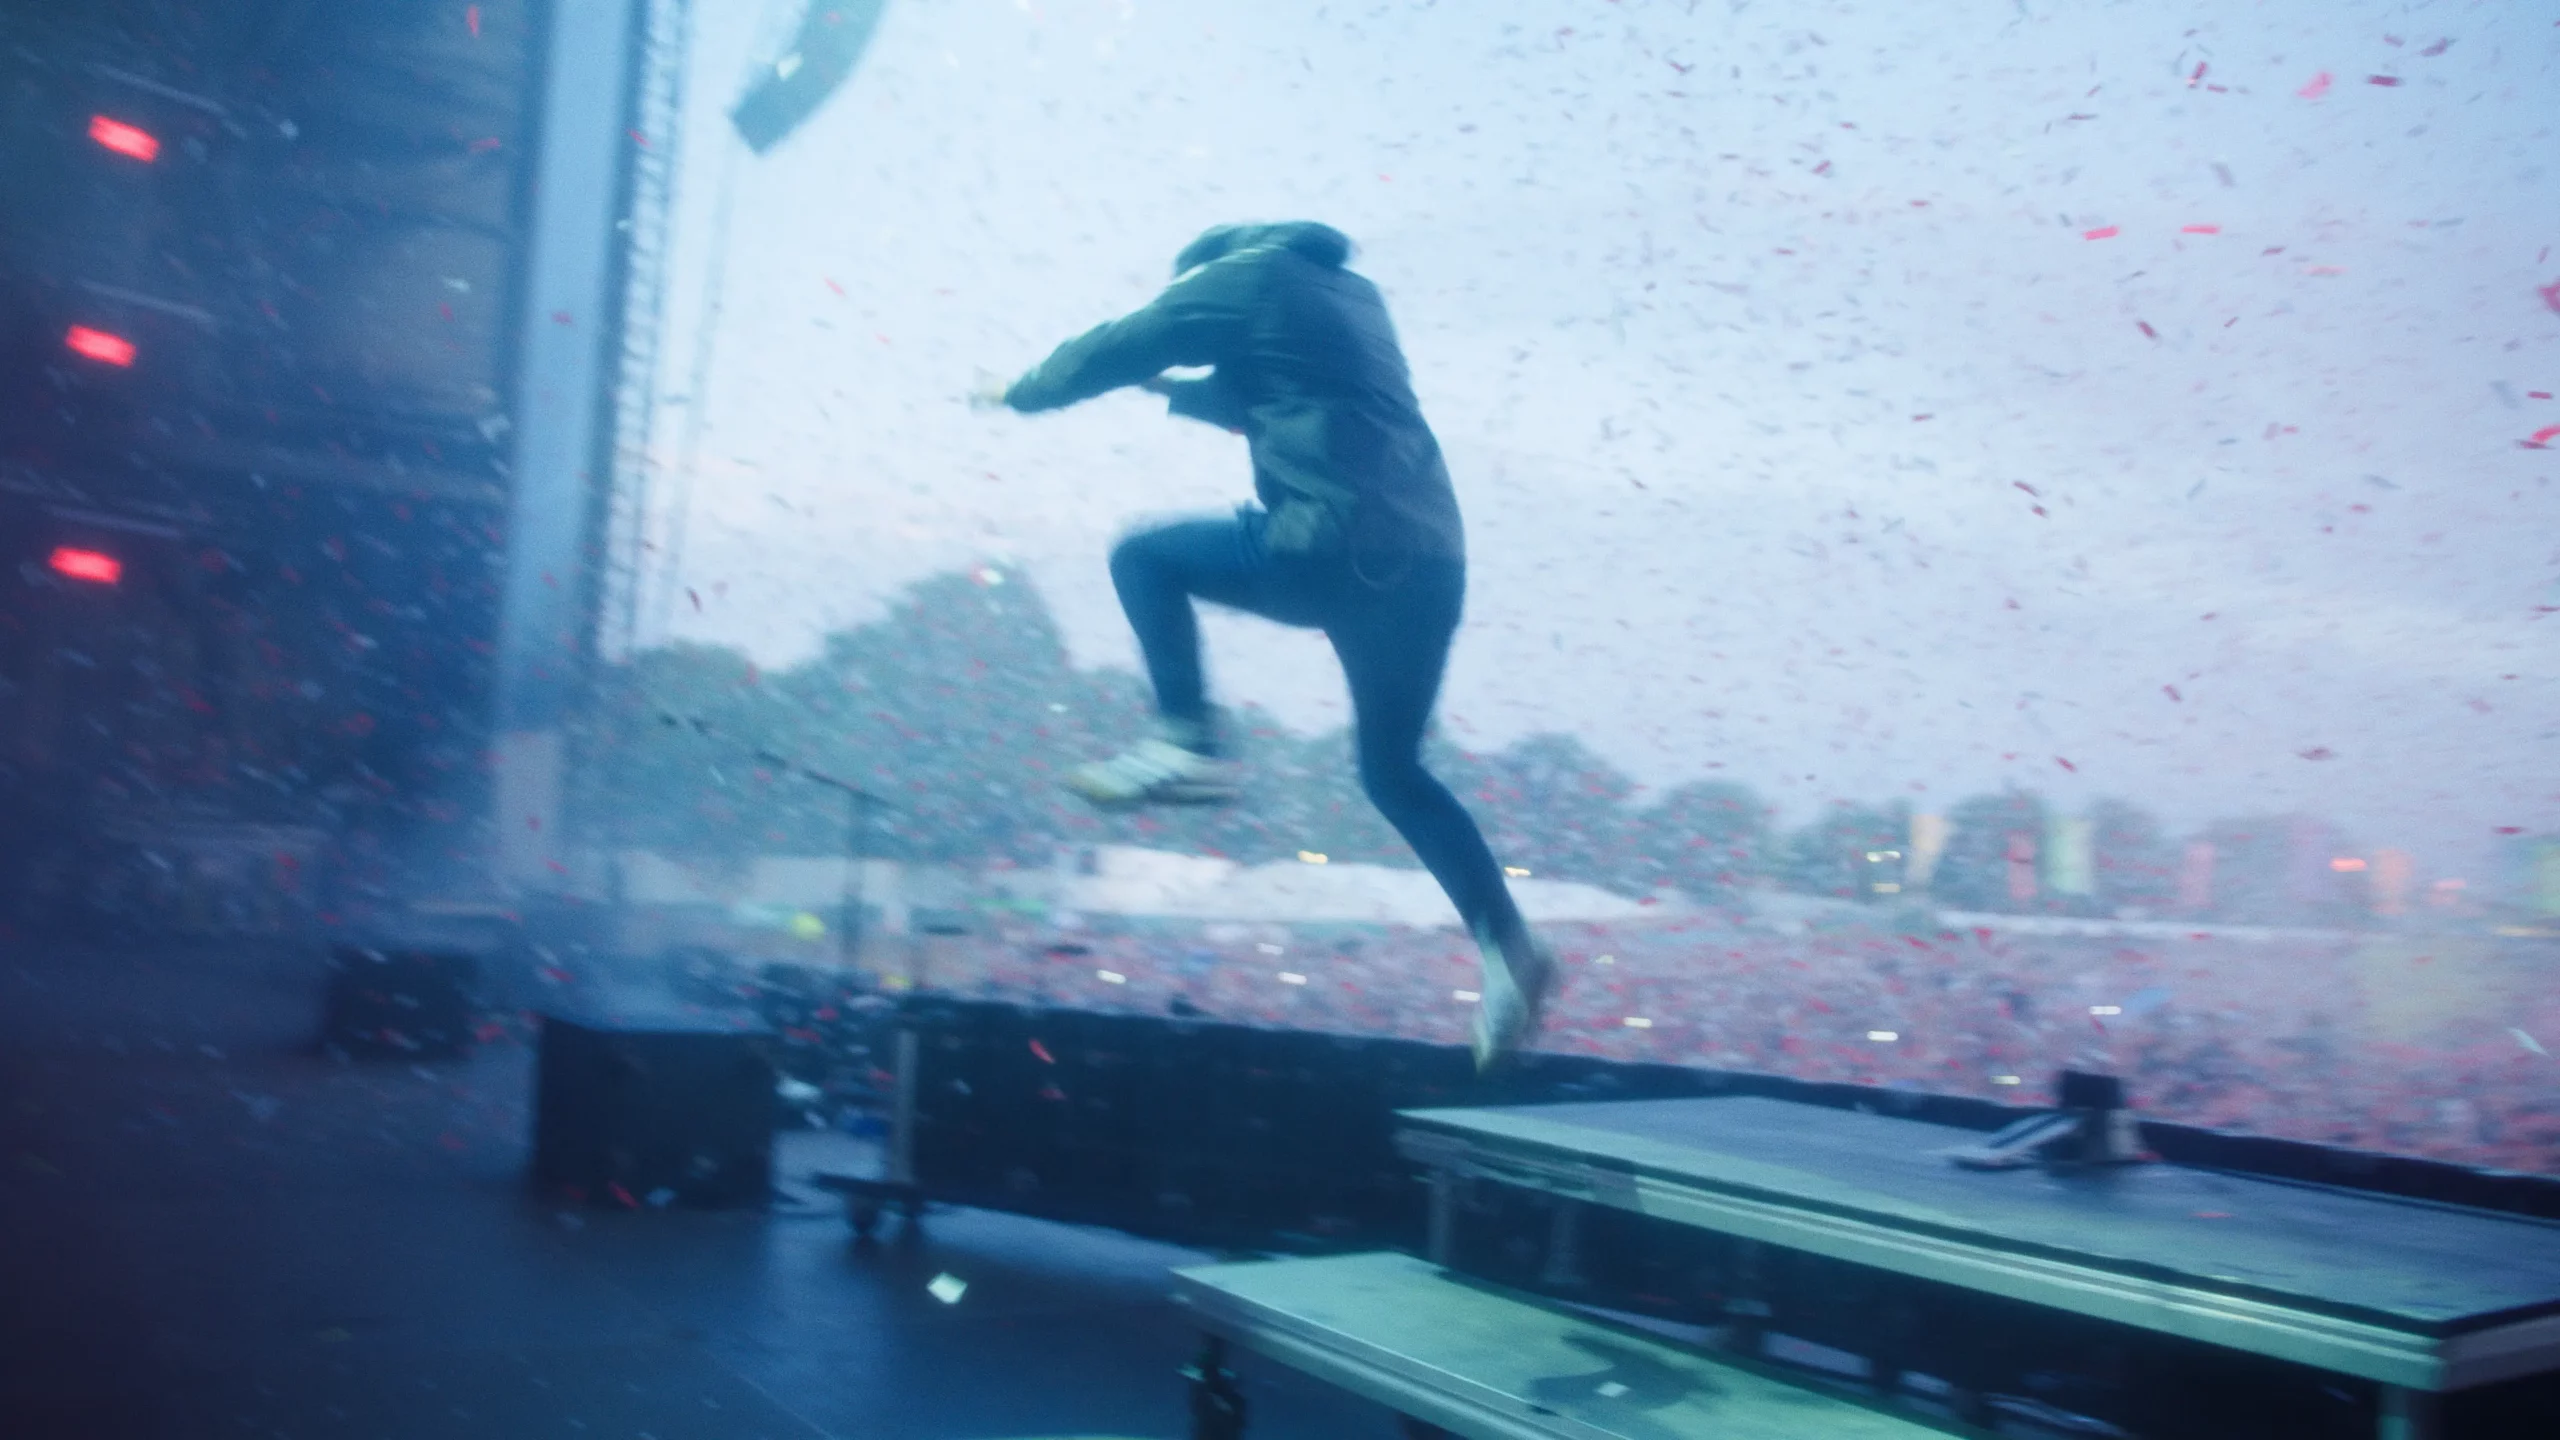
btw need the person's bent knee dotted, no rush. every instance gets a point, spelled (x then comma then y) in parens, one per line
(1133, 557)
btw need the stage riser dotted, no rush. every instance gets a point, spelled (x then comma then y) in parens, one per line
(1235, 1136)
(2148, 1384)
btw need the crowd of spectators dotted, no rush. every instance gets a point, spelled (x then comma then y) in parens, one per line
(2395, 1044)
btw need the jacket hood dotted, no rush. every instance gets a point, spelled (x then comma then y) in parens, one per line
(1307, 239)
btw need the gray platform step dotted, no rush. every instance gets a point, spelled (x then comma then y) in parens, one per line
(1490, 1365)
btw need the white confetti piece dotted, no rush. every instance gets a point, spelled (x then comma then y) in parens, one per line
(948, 1289)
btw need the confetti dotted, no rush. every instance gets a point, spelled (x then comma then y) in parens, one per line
(2318, 86)
(2103, 232)
(947, 1288)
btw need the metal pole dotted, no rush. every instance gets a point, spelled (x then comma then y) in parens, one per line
(2409, 1414)
(1439, 1240)
(902, 1115)
(845, 946)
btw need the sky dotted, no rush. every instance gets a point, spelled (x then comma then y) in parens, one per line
(1859, 401)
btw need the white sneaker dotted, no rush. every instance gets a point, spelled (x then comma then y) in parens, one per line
(1156, 772)
(1514, 1000)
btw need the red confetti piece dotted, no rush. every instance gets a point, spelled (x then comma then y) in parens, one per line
(2318, 87)
(2213, 1214)
(2172, 692)
(2103, 232)
(1043, 1052)
(638, 139)
(2539, 394)
(2510, 829)
(2550, 295)
(2198, 75)
(483, 145)
(2436, 49)
(2147, 330)
(2382, 79)
(2542, 437)
(471, 17)
(621, 1194)
(2023, 485)
(2199, 229)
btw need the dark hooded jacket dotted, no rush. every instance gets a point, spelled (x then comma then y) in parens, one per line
(1307, 367)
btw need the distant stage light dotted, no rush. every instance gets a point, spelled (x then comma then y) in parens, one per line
(1884, 1037)
(93, 566)
(1111, 977)
(124, 139)
(100, 346)
(1638, 1022)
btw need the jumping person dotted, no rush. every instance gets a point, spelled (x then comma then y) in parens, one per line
(1357, 534)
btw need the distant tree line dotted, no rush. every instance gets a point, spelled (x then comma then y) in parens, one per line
(961, 708)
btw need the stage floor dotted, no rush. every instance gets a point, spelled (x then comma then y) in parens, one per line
(206, 1232)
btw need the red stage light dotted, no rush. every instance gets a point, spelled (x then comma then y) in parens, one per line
(99, 345)
(90, 565)
(124, 139)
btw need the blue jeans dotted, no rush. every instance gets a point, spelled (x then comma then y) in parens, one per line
(1391, 622)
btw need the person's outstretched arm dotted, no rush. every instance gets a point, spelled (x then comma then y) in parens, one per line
(1200, 319)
